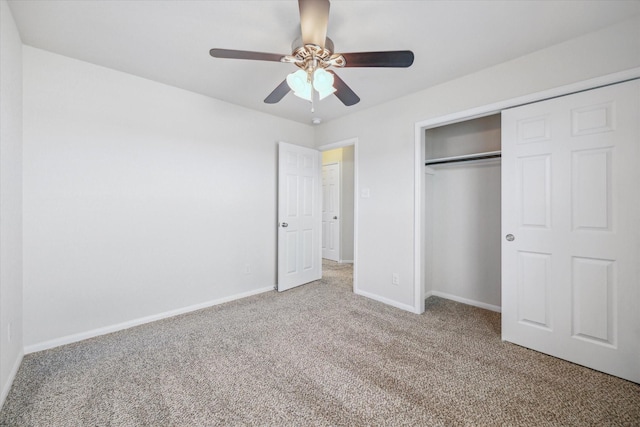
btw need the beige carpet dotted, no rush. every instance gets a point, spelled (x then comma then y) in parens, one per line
(317, 355)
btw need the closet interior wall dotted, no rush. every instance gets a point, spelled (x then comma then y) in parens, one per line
(462, 213)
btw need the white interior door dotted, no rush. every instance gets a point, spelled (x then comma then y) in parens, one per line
(299, 216)
(331, 211)
(570, 211)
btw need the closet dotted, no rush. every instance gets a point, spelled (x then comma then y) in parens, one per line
(535, 212)
(462, 211)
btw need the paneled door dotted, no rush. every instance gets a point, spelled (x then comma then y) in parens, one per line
(299, 216)
(331, 211)
(571, 228)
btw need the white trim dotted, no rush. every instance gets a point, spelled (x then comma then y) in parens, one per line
(136, 322)
(339, 144)
(418, 219)
(345, 261)
(356, 191)
(12, 376)
(497, 107)
(467, 301)
(473, 113)
(387, 301)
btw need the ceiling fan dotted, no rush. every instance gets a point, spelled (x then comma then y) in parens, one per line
(313, 53)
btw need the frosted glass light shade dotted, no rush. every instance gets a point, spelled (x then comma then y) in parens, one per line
(299, 85)
(322, 80)
(323, 83)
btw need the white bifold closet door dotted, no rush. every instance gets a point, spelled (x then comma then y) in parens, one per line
(570, 225)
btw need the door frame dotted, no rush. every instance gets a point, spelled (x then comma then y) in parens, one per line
(420, 293)
(340, 144)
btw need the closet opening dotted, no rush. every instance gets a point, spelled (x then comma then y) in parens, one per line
(462, 212)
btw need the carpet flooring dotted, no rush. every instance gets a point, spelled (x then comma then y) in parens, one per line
(317, 355)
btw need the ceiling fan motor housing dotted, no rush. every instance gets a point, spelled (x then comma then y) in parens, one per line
(310, 56)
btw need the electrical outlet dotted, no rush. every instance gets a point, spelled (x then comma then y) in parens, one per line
(395, 279)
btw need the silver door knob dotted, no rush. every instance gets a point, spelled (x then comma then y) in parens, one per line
(335, 217)
(284, 225)
(510, 237)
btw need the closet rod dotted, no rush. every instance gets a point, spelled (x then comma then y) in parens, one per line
(462, 159)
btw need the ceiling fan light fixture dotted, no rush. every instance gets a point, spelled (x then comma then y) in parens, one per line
(305, 93)
(298, 82)
(322, 94)
(323, 83)
(313, 53)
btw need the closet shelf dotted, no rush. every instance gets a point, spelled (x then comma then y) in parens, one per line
(464, 158)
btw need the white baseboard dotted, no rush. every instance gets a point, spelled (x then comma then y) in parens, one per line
(387, 301)
(6, 388)
(474, 303)
(136, 322)
(346, 261)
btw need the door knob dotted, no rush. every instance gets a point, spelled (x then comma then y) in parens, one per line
(284, 225)
(335, 217)
(510, 237)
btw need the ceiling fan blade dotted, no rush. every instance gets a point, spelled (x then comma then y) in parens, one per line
(393, 58)
(314, 19)
(344, 92)
(278, 93)
(245, 54)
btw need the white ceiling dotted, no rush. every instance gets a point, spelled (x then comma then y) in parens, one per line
(169, 40)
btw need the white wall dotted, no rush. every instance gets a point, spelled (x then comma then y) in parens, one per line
(10, 200)
(466, 239)
(142, 199)
(386, 143)
(139, 199)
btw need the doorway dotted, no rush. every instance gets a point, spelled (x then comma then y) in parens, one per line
(339, 222)
(331, 207)
(462, 211)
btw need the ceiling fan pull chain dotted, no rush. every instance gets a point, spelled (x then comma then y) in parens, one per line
(313, 96)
